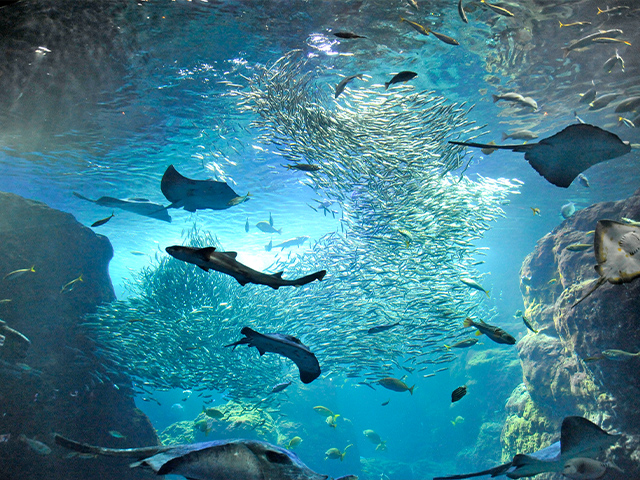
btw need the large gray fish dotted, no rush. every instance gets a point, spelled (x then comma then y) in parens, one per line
(579, 438)
(217, 460)
(225, 262)
(285, 345)
(496, 334)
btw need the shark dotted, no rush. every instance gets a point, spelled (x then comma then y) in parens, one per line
(216, 460)
(285, 345)
(141, 206)
(225, 262)
(560, 158)
(579, 439)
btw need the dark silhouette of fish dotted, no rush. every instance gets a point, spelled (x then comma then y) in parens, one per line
(579, 438)
(403, 76)
(284, 345)
(194, 195)
(225, 262)
(217, 460)
(141, 206)
(563, 156)
(458, 393)
(381, 328)
(347, 35)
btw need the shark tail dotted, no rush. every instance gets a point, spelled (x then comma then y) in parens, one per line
(310, 278)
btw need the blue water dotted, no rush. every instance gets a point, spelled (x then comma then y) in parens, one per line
(161, 97)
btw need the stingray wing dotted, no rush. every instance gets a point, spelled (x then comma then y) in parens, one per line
(581, 438)
(563, 156)
(193, 195)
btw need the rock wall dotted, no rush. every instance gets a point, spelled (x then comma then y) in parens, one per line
(560, 378)
(57, 384)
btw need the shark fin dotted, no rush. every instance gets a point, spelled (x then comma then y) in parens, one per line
(278, 275)
(206, 269)
(232, 255)
(205, 252)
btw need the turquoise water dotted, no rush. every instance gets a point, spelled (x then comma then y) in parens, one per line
(123, 90)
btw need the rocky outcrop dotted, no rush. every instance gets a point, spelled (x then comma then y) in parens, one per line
(55, 383)
(560, 375)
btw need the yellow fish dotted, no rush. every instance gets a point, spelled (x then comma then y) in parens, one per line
(67, 287)
(20, 272)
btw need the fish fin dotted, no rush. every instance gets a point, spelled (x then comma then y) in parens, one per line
(487, 292)
(467, 322)
(242, 282)
(278, 275)
(206, 269)
(447, 347)
(411, 389)
(478, 333)
(206, 251)
(232, 255)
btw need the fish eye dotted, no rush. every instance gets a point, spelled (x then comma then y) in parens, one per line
(277, 457)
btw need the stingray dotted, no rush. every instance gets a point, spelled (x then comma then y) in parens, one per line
(141, 206)
(216, 460)
(617, 249)
(194, 195)
(285, 345)
(579, 438)
(565, 155)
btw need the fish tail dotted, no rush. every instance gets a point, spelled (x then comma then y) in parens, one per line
(566, 52)
(411, 389)
(447, 347)
(386, 86)
(487, 292)
(600, 281)
(561, 24)
(468, 322)
(504, 136)
(495, 98)
(279, 231)
(33, 268)
(599, 11)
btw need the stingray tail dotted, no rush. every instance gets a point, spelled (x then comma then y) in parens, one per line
(82, 197)
(112, 452)
(514, 148)
(599, 282)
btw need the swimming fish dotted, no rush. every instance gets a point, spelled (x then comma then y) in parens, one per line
(67, 287)
(332, 420)
(466, 343)
(216, 460)
(35, 445)
(267, 227)
(375, 439)
(324, 411)
(520, 135)
(488, 150)
(294, 442)
(527, 323)
(584, 181)
(103, 221)
(116, 434)
(381, 328)
(246, 225)
(141, 206)
(225, 262)
(305, 167)
(285, 345)
(536, 211)
(395, 385)
(496, 334)
(334, 453)
(463, 15)
(499, 10)
(469, 282)
(514, 97)
(573, 24)
(291, 242)
(347, 35)
(403, 76)
(427, 31)
(458, 393)
(238, 200)
(212, 413)
(619, 355)
(280, 387)
(611, 63)
(578, 247)
(20, 272)
(343, 83)
(567, 210)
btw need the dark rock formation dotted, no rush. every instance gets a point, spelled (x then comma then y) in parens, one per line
(56, 384)
(560, 377)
